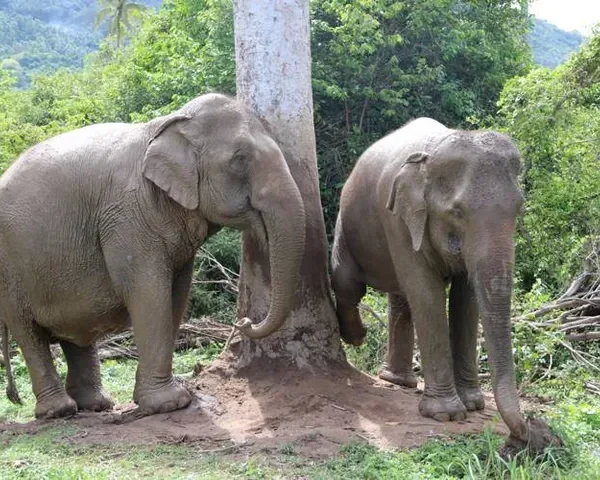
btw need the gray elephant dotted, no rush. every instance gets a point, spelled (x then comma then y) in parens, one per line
(426, 207)
(99, 228)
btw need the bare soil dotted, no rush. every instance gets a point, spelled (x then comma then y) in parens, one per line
(268, 408)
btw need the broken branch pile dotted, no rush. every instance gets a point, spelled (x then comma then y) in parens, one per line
(195, 333)
(576, 313)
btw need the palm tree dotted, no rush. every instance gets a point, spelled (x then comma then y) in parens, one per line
(121, 15)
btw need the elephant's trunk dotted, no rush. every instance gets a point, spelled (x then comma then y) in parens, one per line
(282, 209)
(491, 272)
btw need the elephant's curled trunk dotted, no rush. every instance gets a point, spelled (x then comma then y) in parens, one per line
(284, 219)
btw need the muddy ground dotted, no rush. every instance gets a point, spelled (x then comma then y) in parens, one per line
(315, 412)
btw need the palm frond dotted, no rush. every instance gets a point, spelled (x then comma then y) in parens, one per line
(102, 16)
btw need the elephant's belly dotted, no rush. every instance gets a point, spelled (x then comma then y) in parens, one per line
(379, 273)
(383, 281)
(89, 330)
(85, 330)
(82, 318)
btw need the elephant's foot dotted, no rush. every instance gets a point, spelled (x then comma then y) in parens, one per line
(442, 409)
(471, 397)
(406, 379)
(56, 406)
(91, 399)
(167, 398)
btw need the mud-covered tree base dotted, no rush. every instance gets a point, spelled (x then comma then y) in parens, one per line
(298, 345)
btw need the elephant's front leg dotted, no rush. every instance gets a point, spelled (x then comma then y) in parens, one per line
(151, 309)
(84, 384)
(397, 367)
(426, 296)
(464, 318)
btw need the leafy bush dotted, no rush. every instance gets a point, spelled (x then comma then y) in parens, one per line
(554, 116)
(217, 300)
(371, 354)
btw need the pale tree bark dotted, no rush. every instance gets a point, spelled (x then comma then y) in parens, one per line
(272, 44)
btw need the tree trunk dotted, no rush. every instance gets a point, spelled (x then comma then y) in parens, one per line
(272, 44)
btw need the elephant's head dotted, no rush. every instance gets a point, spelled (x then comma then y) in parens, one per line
(460, 202)
(216, 159)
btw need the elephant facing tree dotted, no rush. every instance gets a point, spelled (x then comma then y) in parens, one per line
(99, 228)
(424, 207)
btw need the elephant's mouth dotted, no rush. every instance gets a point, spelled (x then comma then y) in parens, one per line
(255, 226)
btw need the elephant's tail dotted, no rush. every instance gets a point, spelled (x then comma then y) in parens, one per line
(11, 388)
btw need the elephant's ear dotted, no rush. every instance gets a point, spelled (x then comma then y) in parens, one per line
(170, 162)
(407, 197)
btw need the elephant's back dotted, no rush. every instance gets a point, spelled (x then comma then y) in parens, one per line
(364, 197)
(85, 151)
(422, 134)
(70, 174)
(50, 197)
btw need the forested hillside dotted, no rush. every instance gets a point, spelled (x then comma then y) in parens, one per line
(551, 46)
(39, 36)
(43, 36)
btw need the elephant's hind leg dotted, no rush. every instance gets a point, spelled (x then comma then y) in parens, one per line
(463, 322)
(349, 290)
(51, 398)
(397, 367)
(84, 384)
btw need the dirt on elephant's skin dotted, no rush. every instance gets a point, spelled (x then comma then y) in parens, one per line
(251, 411)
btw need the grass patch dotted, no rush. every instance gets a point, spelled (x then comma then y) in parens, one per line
(51, 455)
(118, 377)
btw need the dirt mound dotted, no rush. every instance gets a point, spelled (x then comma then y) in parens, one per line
(316, 412)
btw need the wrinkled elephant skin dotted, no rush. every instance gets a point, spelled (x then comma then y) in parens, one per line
(98, 232)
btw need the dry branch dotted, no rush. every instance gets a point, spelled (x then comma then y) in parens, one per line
(229, 280)
(195, 333)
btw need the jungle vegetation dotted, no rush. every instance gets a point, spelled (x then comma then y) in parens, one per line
(376, 65)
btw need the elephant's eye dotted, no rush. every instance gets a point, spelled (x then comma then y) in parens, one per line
(238, 163)
(457, 212)
(454, 244)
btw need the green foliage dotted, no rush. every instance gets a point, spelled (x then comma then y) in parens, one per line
(471, 457)
(183, 51)
(370, 355)
(38, 47)
(554, 117)
(552, 46)
(216, 299)
(380, 63)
